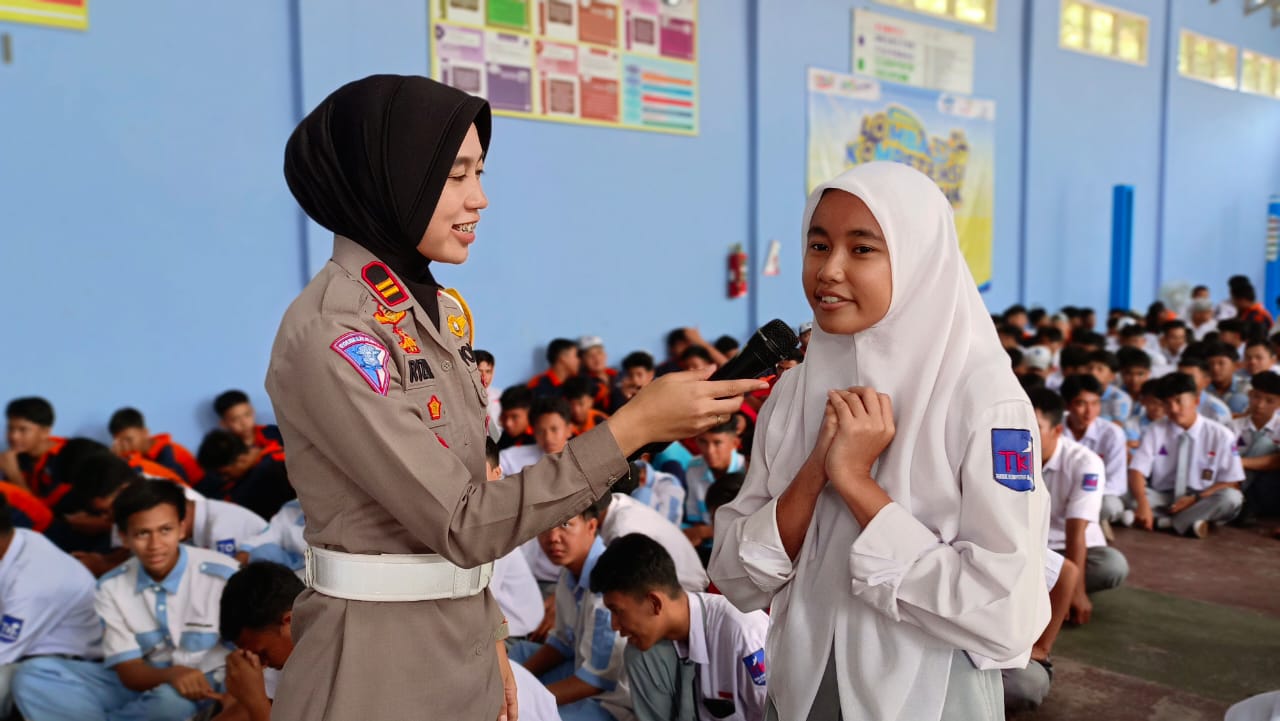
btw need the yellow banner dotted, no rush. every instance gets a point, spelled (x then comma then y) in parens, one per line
(73, 14)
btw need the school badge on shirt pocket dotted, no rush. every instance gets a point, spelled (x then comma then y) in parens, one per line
(1011, 455)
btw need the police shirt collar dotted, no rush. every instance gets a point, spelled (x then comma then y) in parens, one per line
(171, 582)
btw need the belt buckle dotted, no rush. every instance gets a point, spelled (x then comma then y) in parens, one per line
(309, 574)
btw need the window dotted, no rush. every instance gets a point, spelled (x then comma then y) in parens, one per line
(1209, 60)
(1260, 75)
(971, 12)
(1095, 29)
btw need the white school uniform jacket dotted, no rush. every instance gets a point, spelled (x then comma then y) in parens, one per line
(223, 527)
(956, 560)
(46, 602)
(534, 701)
(663, 493)
(728, 646)
(1075, 478)
(1052, 568)
(627, 515)
(173, 621)
(1108, 441)
(514, 459)
(282, 541)
(697, 480)
(1214, 457)
(516, 591)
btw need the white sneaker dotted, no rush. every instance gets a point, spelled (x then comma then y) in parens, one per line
(1126, 518)
(1200, 529)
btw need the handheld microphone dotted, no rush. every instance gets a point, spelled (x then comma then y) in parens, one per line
(768, 345)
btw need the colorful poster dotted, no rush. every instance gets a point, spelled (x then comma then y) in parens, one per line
(462, 12)
(558, 80)
(558, 19)
(598, 22)
(73, 14)
(658, 94)
(600, 69)
(678, 31)
(460, 57)
(899, 51)
(641, 19)
(509, 66)
(949, 137)
(513, 14)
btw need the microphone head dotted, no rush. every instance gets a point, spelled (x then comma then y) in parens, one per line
(778, 336)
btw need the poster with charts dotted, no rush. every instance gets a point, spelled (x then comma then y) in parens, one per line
(950, 138)
(72, 14)
(628, 64)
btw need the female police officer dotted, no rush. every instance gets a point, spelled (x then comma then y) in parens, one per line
(377, 393)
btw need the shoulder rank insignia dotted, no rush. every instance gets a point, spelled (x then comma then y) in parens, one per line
(379, 278)
(393, 318)
(460, 325)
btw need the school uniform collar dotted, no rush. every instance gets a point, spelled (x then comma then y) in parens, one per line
(1193, 431)
(695, 649)
(1055, 461)
(170, 583)
(583, 583)
(16, 543)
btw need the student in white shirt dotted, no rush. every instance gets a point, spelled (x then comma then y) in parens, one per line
(1258, 442)
(1259, 356)
(1117, 405)
(1135, 370)
(163, 655)
(256, 615)
(1151, 409)
(552, 428)
(1083, 396)
(46, 603)
(1224, 384)
(623, 515)
(854, 525)
(718, 455)
(1196, 366)
(513, 585)
(1026, 688)
(282, 542)
(218, 525)
(662, 492)
(1076, 477)
(485, 364)
(1186, 472)
(1201, 318)
(1173, 340)
(689, 656)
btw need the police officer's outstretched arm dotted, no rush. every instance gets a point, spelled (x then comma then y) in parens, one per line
(383, 444)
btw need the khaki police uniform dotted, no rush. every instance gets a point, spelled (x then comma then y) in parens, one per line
(384, 416)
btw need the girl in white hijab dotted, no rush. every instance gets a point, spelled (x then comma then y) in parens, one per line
(893, 516)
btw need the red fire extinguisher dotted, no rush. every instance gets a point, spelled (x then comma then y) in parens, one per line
(737, 271)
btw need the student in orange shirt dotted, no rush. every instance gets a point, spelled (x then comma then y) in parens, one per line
(32, 446)
(129, 434)
(236, 414)
(595, 366)
(562, 356)
(583, 415)
(247, 476)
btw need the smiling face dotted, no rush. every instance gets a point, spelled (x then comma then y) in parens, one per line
(452, 229)
(847, 277)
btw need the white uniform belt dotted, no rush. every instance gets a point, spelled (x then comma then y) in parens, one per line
(392, 576)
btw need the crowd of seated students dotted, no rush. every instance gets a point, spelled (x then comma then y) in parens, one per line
(1161, 423)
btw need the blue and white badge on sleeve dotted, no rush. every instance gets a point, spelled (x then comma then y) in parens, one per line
(1011, 456)
(1090, 482)
(755, 666)
(10, 628)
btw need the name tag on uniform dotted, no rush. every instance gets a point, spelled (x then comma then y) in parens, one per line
(1011, 450)
(420, 371)
(227, 546)
(1207, 474)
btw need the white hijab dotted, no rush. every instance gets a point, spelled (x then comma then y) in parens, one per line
(937, 355)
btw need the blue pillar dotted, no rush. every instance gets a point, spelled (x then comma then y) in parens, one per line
(1272, 283)
(1121, 245)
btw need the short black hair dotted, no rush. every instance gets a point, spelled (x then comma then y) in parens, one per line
(1014, 309)
(1015, 357)
(491, 454)
(1073, 356)
(1194, 358)
(145, 494)
(1172, 325)
(695, 351)
(1133, 331)
(578, 387)
(1212, 350)
(1244, 292)
(723, 491)
(1035, 315)
(483, 356)
(1199, 288)
(1231, 325)
(1151, 387)
(548, 406)
(1258, 342)
(1049, 404)
(31, 408)
(6, 517)
(726, 343)
(219, 449)
(1074, 385)
(517, 397)
(1175, 384)
(729, 427)
(124, 419)
(597, 508)
(63, 466)
(1030, 381)
(676, 337)
(96, 475)
(1089, 338)
(256, 597)
(559, 347)
(1238, 281)
(228, 400)
(1133, 358)
(1266, 382)
(638, 359)
(1106, 358)
(1048, 334)
(635, 565)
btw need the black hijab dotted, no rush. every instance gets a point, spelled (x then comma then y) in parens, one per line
(371, 160)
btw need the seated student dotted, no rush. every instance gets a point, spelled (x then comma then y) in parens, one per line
(719, 456)
(46, 604)
(1185, 473)
(281, 542)
(1196, 366)
(552, 423)
(248, 476)
(1224, 384)
(1117, 405)
(787, 362)
(624, 515)
(721, 493)
(1083, 396)
(1258, 443)
(1248, 309)
(1232, 331)
(662, 492)
(1135, 370)
(1010, 336)
(1038, 361)
(255, 613)
(728, 346)
(1259, 356)
(26, 511)
(485, 364)
(236, 414)
(1026, 688)
(129, 434)
(1072, 360)
(1200, 317)
(1135, 336)
(689, 655)
(516, 430)
(1151, 409)
(564, 362)
(581, 662)
(159, 616)
(32, 447)
(219, 526)
(579, 391)
(1075, 477)
(637, 371)
(513, 585)
(1173, 340)
(695, 357)
(804, 332)
(595, 367)
(677, 342)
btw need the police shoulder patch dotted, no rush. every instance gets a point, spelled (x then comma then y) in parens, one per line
(1011, 458)
(378, 277)
(366, 355)
(755, 666)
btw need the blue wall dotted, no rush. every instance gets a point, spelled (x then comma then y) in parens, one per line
(150, 246)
